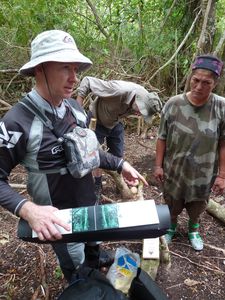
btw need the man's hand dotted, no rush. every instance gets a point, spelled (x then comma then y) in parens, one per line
(159, 174)
(218, 186)
(43, 220)
(131, 175)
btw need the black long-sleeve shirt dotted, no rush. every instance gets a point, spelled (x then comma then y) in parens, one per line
(25, 140)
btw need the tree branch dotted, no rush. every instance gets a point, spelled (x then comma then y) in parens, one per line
(180, 46)
(5, 103)
(167, 16)
(202, 35)
(215, 269)
(94, 11)
(9, 71)
(220, 44)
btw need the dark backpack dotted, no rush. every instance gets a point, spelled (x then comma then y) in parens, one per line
(143, 287)
(91, 284)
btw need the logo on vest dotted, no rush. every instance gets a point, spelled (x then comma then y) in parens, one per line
(57, 149)
(9, 138)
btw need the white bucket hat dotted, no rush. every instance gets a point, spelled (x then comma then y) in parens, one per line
(57, 46)
(148, 103)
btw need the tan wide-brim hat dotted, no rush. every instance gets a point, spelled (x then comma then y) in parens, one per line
(56, 46)
(148, 103)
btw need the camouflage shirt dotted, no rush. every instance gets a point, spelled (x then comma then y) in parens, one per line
(191, 157)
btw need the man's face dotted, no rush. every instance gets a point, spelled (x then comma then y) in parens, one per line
(61, 79)
(201, 84)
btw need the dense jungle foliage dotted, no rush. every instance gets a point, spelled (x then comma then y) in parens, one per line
(151, 42)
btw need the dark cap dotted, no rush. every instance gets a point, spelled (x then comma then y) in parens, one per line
(208, 62)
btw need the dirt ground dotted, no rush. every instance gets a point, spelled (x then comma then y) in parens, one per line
(29, 271)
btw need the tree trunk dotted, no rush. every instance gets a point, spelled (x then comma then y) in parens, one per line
(206, 38)
(97, 19)
(216, 210)
(220, 89)
(205, 42)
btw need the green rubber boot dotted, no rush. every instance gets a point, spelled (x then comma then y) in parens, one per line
(194, 237)
(170, 233)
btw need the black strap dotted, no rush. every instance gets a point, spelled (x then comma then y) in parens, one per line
(73, 105)
(28, 103)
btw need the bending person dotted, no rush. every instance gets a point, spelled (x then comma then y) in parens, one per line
(114, 100)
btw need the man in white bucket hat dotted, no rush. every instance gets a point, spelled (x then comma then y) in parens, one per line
(24, 139)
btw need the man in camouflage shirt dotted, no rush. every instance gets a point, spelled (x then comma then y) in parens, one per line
(190, 151)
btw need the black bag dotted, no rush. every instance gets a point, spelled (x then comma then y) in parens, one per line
(143, 287)
(91, 284)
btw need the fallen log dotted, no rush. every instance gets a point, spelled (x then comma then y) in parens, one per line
(121, 185)
(216, 210)
(150, 266)
(3, 109)
(5, 103)
(165, 257)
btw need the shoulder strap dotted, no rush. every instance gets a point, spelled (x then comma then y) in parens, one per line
(26, 101)
(29, 104)
(76, 109)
